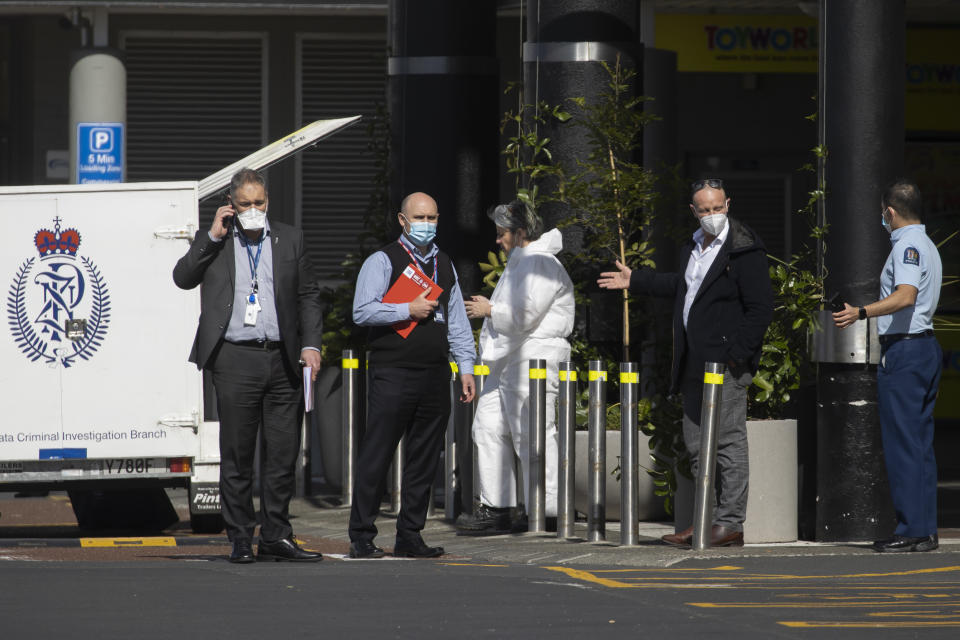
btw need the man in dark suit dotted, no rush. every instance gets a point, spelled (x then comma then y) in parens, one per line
(260, 316)
(723, 303)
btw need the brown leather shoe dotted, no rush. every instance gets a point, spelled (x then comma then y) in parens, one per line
(682, 539)
(720, 536)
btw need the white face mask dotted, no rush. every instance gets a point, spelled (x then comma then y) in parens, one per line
(252, 219)
(714, 223)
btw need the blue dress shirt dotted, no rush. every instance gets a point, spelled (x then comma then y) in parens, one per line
(913, 260)
(370, 310)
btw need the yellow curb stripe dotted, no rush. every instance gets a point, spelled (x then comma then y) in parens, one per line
(470, 564)
(127, 542)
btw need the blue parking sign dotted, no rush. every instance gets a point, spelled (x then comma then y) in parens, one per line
(99, 152)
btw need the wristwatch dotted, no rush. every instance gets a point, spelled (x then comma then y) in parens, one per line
(863, 313)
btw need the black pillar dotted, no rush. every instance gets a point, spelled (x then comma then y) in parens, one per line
(862, 126)
(661, 154)
(566, 39)
(444, 103)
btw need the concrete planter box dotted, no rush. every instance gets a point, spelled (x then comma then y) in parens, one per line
(650, 506)
(772, 501)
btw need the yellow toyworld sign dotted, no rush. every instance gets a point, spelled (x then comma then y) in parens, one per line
(746, 43)
(740, 43)
(933, 79)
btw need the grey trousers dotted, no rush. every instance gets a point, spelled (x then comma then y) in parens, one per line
(732, 460)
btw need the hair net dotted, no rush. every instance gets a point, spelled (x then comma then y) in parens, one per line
(517, 215)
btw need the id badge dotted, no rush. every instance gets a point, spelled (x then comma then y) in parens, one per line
(438, 316)
(251, 311)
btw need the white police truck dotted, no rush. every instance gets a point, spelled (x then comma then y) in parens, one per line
(97, 391)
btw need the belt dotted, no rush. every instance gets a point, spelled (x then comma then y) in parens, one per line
(890, 338)
(265, 345)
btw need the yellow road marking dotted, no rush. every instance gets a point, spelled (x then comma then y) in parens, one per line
(912, 614)
(866, 625)
(128, 542)
(882, 605)
(913, 572)
(672, 570)
(586, 576)
(817, 605)
(681, 577)
(775, 576)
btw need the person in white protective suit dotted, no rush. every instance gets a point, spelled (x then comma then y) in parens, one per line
(529, 315)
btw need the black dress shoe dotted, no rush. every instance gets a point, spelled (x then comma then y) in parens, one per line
(286, 550)
(242, 552)
(484, 521)
(360, 549)
(904, 544)
(415, 549)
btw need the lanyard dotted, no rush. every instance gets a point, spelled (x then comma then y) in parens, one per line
(254, 262)
(410, 253)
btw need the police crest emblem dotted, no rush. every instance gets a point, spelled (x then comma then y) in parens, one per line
(58, 305)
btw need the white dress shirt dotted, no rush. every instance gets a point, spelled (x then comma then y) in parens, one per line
(699, 263)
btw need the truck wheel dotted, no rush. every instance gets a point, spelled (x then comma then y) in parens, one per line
(206, 522)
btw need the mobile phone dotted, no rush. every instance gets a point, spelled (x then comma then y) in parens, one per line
(835, 302)
(228, 220)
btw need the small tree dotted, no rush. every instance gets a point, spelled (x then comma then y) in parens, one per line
(528, 155)
(611, 194)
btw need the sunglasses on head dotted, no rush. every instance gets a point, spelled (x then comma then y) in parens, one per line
(713, 183)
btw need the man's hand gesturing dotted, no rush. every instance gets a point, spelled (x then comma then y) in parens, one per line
(619, 279)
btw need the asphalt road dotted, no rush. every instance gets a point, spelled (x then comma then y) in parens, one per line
(59, 582)
(198, 597)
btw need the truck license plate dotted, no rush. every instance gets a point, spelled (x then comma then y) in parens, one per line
(132, 466)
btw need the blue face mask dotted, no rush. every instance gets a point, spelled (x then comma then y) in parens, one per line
(422, 233)
(886, 225)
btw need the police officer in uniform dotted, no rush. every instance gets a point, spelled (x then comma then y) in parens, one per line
(910, 365)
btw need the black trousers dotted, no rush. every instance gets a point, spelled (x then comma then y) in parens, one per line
(410, 403)
(254, 388)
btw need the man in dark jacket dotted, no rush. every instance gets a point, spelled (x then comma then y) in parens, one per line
(260, 315)
(723, 303)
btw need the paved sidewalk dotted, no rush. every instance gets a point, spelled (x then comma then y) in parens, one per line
(312, 520)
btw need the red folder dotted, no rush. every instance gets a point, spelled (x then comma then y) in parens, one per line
(411, 283)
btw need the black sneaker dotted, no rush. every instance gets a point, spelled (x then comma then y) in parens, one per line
(485, 521)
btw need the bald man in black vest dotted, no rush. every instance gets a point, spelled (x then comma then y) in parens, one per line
(409, 378)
